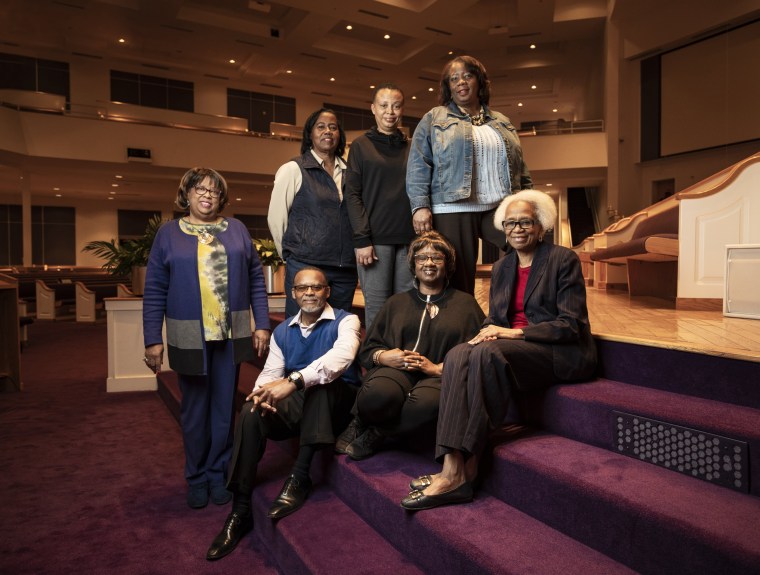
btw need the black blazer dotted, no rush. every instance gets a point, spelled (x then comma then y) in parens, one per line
(555, 306)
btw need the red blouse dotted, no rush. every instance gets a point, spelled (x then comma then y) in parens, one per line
(516, 312)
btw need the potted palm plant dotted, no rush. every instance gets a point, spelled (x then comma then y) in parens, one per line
(274, 271)
(129, 257)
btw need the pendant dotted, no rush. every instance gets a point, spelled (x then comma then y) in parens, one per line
(432, 310)
(205, 238)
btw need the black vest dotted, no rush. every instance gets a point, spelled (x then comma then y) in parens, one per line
(318, 231)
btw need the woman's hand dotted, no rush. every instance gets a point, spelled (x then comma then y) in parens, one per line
(268, 395)
(261, 341)
(154, 357)
(366, 256)
(422, 220)
(418, 362)
(491, 332)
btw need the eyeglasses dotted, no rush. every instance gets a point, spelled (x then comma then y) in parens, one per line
(454, 80)
(201, 191)
(302, 289)
(524, 224)
(436, 258)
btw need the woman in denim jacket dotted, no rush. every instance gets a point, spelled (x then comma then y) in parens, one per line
(464, 159)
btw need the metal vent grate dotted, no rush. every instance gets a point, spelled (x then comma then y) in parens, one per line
(714, 458)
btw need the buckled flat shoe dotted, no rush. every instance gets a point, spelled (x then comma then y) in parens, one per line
(420, 483)
(365, 445)
(235, 527)
(418, 501)
(354, 430)
(197, 496)
(291, 498)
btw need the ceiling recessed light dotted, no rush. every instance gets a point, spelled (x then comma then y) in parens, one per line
(114, 185)
(238, 199)
(58, 195)
(533, 87)
(332, 79)
(549, 185)
(232, 60)
(349, 27)
(122, 41)
(554, 110)
(372, 87)
(519, 104)
(118, 177)
(56, 189)
(532, 46)
(387, 36)
(430, 89)
(288, 71)
(110, 198)
(414, 97)
(451, 52)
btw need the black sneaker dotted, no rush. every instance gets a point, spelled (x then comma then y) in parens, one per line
(365, 445)
(354, 430)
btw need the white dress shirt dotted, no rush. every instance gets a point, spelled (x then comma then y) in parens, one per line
(323, 369)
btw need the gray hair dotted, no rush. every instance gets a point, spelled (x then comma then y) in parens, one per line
(543, 206)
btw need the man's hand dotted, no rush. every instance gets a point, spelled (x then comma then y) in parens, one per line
(268, 395)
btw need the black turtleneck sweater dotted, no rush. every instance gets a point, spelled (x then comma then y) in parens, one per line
(375, 192)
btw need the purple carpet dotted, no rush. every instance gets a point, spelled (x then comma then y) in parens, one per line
(95, 482)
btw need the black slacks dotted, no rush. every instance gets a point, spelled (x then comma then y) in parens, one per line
(478, 384)
(315, 415)
(398, 402)
(463, 229)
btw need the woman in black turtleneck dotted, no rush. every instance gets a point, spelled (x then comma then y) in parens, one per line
(378, 206)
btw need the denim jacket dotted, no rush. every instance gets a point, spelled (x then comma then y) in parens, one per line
(439, 169)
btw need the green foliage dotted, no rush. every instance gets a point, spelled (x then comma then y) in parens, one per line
(268, 253)
(121, 258)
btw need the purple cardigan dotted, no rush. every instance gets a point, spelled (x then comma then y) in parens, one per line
(172, 292)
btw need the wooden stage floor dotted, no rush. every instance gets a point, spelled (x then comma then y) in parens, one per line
(616, 316)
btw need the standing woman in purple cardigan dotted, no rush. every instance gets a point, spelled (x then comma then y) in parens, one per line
(203, 278)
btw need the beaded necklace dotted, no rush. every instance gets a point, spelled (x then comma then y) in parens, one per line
(205, 232)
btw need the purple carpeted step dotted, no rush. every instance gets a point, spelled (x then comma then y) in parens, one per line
(485, 536)
(647, 517)
(584, 412)
(715, 377)
(323, 537)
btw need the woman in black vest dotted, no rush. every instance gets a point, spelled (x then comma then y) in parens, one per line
(308, 217)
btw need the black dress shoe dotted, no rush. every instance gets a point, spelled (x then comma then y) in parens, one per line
(365, 445)
(354, 430)
(420, 483)
(234, 528)
(291, 498)
(417, 500)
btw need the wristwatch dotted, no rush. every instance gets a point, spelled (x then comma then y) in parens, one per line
(297, 379)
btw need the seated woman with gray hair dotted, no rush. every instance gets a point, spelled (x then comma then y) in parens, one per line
(537, 334)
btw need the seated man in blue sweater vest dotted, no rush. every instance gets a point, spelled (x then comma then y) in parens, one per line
(306, 390)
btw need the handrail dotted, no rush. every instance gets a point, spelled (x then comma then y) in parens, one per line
(40, 102)
(725, 177)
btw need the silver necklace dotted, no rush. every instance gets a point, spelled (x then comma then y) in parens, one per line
(430, 306)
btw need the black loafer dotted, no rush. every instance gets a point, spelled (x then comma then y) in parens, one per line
(418, 501)
(420, 483)
(236, 526)
(291, 498)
